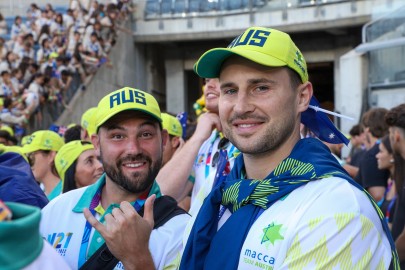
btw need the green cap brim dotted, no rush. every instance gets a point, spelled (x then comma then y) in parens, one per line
(108, 117)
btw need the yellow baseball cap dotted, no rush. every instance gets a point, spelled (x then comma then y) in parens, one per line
(53, 55)
(265, 46)
(68, 154)
(88, 120)
(13, 149)
(8, 129)
(126, 99)
(43, 140)
(172, 125)
(24, 140)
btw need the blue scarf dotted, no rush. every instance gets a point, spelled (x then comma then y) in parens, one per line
(209, 248)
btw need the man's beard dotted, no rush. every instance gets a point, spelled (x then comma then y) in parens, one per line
(136, 182)
(269, 141)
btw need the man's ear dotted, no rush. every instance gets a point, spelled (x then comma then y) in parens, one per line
(96, 143)
(305, 92)
(165, 137)
(398, 135)
(51, 157)
(175, 142)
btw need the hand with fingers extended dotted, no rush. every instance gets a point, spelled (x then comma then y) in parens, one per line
(127, 234)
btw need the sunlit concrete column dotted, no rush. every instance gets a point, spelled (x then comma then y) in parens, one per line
(175, 89)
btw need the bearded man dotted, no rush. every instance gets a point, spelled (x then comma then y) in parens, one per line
(129, 141)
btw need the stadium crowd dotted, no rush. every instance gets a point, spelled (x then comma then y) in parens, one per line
(45, 52)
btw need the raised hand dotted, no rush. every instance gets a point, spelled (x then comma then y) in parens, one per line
(127, 234)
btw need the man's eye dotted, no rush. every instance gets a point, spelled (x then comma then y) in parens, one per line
(229, 91)
(146, 135)
(262, 88)
(117, 136)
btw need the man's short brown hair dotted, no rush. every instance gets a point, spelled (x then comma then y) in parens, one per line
(396, 117)
(374, 119)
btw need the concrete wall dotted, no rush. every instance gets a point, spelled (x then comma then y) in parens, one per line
(107, 79)
(175, 97)
(349, 95)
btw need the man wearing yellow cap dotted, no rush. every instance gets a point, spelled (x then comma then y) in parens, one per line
(193, 168)
(33, 95)
(287, 203)
(88, 122)
(175, 130)
(41, 148)
(129, 141)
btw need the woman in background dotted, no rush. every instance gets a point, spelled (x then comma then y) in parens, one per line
(386, 161)
(77, 165)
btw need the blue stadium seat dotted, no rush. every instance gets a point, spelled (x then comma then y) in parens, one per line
(223, 4)
(206, 5)
(258, 3)
(166, 6)
(6, 37)
(179, 6)
(10, 21)
(152, 7)
(235, 4)
(194, 6)
(60, 9)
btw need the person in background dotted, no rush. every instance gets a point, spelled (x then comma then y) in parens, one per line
(17, 28)
(88, 122)
(395, 119)
(386, 161)
(369, 176)
(5, 137)
(173, 127)
(3, 30)
(173, 146)
(357, 139)
(194, 167)
(77, 165)
(41, 148)
(76, 132)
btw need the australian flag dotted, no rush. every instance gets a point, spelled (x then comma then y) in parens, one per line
(183, 121)
(320, 124)
(58, 129)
